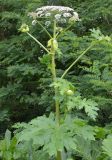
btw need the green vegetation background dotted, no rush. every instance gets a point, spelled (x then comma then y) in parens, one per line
(24, 81)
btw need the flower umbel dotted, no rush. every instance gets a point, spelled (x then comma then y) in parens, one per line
(59, 13)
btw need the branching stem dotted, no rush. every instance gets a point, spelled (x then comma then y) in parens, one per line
(44, 29)
(38, 42)
(84, 52)
(53, 70)
(63, 31)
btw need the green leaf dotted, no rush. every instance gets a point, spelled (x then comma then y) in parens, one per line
(8, 138)
(63, 86)
(89, 150)
(91, 109)
(89, 105)
(107, 145)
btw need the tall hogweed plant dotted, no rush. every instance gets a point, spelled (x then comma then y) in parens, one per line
(61, 135)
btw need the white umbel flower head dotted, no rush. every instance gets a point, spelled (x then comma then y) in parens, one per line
(47, 23)
(75, 14)
(54, 8)
(57, 13)
(67, 15)
(34, 22)
(48, 14)
(39, 13)
(57, 16)
(63, 20)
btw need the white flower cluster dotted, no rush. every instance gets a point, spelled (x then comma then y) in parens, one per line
(59, 13)
(54, 8)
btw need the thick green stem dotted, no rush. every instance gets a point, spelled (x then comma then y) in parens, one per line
(53, 69)
(56, 91)
(59, 157)
(56, 94)
(54, 74)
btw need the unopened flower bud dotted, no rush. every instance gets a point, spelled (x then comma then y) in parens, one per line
(24, 28)
(69, 92)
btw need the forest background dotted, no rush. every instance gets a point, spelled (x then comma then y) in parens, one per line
(24, 81)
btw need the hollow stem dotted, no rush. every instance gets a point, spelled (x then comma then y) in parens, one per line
(53, 69)
(56, 91)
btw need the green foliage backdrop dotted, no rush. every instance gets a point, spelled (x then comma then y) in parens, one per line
(24, 82)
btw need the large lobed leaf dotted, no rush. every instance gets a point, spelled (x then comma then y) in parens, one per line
(52, 138)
